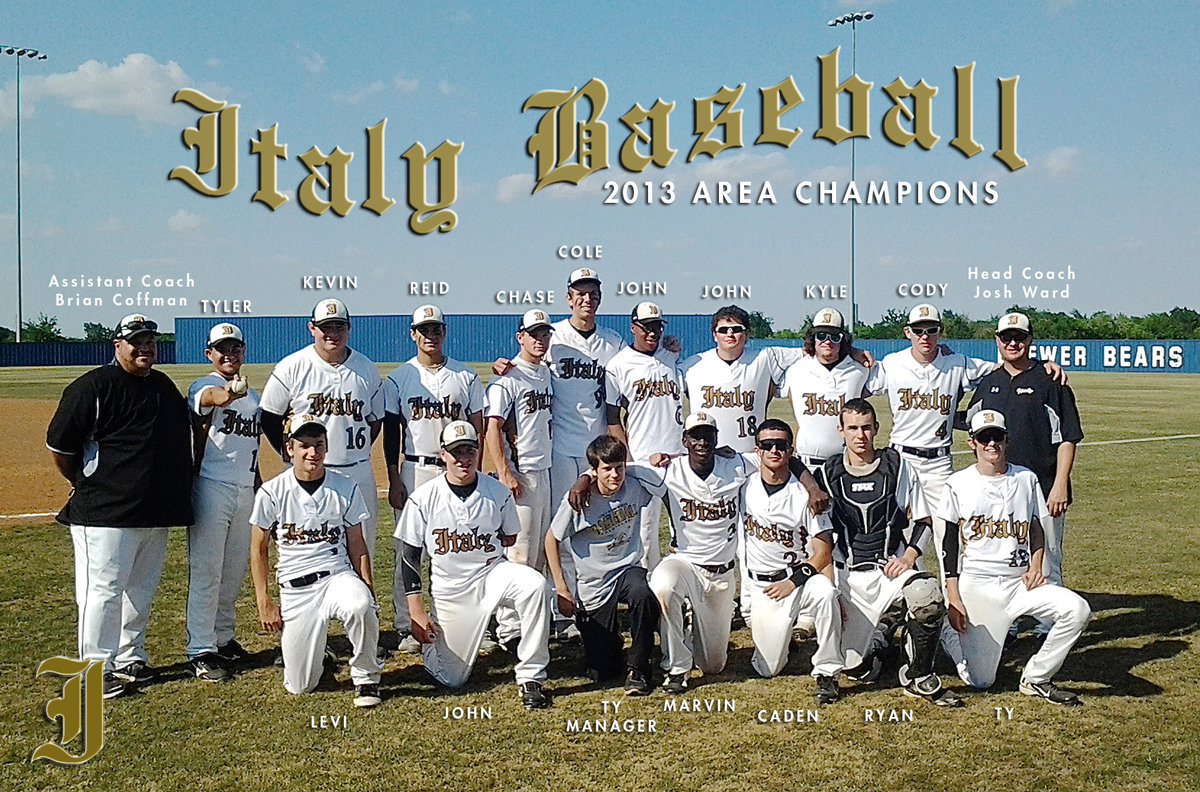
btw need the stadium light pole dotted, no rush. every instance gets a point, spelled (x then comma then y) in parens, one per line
(852, 19)
(32, 54)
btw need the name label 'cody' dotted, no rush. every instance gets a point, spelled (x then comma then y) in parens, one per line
(325, 187)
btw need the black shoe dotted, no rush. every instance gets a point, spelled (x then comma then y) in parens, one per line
(232, 652)
(1050, 692)
(676, 683)
(511, 645)
(366, 696)
(208, 667)
(113, 687)
(827, 690)
(137, 671)
(867, 671)
(636, 683)
(532, 696)
(929, 688)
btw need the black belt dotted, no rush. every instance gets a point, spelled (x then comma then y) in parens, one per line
(424, 460)
(770, 577)
(861, 567)
(304, 580)
(716, 569)
(811, 462)
(924, 453)
(347, 465)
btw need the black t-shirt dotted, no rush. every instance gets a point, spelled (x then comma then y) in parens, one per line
(133, 439)
(1039, 413)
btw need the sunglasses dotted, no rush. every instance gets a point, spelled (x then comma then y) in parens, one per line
(989, 436)
(822, 335)
(127, 330)
(775, 445)
(924, 331)
(650, 327)
(431, 330)
(731, 329)
(1013, 338)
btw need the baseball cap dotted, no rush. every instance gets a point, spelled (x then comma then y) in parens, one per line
(458, 432)
(582, 274)
(224, 332)
(829, 317)
(924, 313)
(133, 324)
(298, 422)
(698, 419)
(647, 312)
(987, 419)
(427, 314)
(330, 310)
(533, 319)
(1014, 321)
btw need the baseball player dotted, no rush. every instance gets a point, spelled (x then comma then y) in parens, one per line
(786, 544)
(315, 517)
(1044, 427)
(464, 521)
(122, 437)
(605, 542)
(992, 555)
(225, 416)
(339, 386)
(421, 398)
(881, 517)
(644, 384)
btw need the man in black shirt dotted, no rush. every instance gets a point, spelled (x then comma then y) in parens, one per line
(1043, 425)
(121, 435)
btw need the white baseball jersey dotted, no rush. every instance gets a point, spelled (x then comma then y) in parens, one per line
(704, 514)
(577, 366)
(231, 448)
(648, 387)
(993, 515)
(461, 536)
(310, 530)
(605, 540)
(522, 398)
(817, 394)
(346, 398)
(776, 528)
(736, 393)
(923, 397)
(427, 399)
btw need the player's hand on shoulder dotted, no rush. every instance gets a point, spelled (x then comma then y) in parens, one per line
(659, 459)
(501, 366)
(1033, 578)
(780, 590)
(862, 357)
(1056, 372)
(725, 451)
(897, 566)
(671, 344)
(818, 501)
(580, 494)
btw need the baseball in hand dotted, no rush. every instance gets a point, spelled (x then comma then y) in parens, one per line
(239, 385)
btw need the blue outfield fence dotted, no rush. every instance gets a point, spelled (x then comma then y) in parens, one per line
(70, 353)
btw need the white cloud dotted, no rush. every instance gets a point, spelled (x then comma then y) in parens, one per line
(113, 225)
(213, 63)
(1059, 6)
(514, 187)
(446, 89)
(358, 96)
(740, 167)
(520, 185)
(183, 221)
(405, 84)
(1063, 162)
(313, 62)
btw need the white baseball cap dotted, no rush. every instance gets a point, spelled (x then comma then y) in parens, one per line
(224, 332)
(829, 317)
(698, 419)
(533, 319)
(987, 419)
(1014, 321)
(298, 422)
(330, 310)
(924, 313)
(457, 433)
(133, 324)
(647, 312)
(427, 314)
(583, 274)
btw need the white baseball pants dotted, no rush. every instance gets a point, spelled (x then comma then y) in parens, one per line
(218, 550)
(771, 626)
(306, 613)
(706, 644)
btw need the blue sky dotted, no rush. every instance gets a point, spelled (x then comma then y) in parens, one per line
(1106, 118)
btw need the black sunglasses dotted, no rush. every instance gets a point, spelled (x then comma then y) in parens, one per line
(774, 444)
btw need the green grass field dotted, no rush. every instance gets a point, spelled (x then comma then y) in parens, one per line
(1131, 549)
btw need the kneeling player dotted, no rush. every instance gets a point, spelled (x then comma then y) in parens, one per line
(785, 546)
(876, 498)
(315, 516)
(606, 546)
(465, 520)
(992, 555)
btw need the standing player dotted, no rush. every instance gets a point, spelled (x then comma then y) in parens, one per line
(786, 545)
(339, 386)
(992, 555)
(464, 521)
(315, 517)
(225, 418)
(1043, 427)
(880, 514)
(421, 398)
(122, 437)
(645, 384)
(605, 542)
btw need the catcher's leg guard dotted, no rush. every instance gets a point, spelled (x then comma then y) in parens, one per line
(925, 610)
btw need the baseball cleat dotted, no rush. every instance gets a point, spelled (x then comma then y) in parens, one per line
(930, 688)
(1050, 692)
(532, 696)
(867, 671)
(366, 696)
(827, 690)
(636, 683)
(566, 632)
(410, 645)
(208, 667)
(113, 687)
(675, 683)
(232, 651)
(137, 671)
